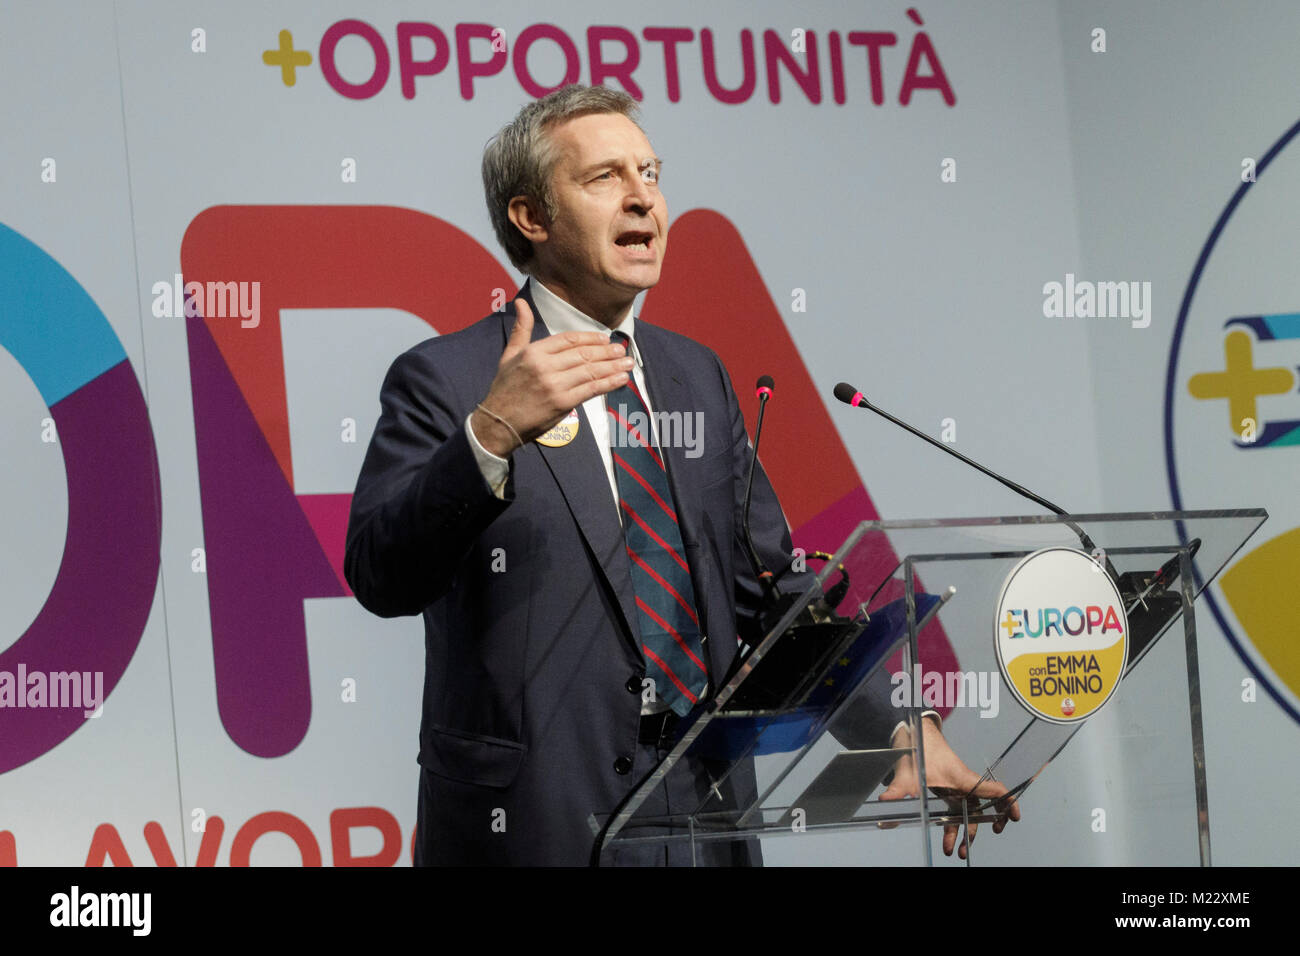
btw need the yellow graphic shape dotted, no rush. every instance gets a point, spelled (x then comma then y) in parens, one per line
(1240, 382)
(286, 58)
(1109, 661)
(1261, 588)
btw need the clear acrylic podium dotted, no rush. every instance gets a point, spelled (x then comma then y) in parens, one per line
(871, 633)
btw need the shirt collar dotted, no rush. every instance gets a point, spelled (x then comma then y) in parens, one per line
(560, 316)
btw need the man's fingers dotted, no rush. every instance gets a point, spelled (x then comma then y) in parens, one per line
(950, 837)
(902, 786)
(1012, 812)
(1007, 806)
(972, 802)
(572, 356)
(522, 333)
(892, 792)
(589, 387)
(990, 788)
(603, 386)
(962, 851)
(953, 775)
(952, 831)
(1006, 813)
(971, 791)
(577, 381)
(565, 341)
(895, 791)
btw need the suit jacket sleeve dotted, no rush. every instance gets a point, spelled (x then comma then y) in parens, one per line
(869, 721)
(421, 500)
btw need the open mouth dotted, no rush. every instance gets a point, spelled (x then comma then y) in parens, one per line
(636, 241)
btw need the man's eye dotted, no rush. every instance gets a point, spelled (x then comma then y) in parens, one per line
(650, 174)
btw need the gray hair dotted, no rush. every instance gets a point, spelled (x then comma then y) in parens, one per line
(519, 160)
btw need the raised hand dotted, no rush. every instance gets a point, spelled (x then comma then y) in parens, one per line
(538, 383)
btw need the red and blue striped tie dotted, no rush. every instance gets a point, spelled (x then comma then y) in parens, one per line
(665, 597)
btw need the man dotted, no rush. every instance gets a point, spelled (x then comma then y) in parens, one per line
(560, 563)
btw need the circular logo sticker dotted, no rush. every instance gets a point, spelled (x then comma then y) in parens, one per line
(565, 431)
(1061, 635)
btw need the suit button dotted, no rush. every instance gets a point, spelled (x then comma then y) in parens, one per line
(634, 684)
(623, 765)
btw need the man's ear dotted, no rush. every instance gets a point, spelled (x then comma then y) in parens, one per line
(528, 218)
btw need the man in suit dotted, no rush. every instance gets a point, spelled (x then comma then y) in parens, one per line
(565, 554)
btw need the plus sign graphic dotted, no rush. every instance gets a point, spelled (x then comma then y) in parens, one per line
(286, 58)
(1010, 625)
(1240, 382)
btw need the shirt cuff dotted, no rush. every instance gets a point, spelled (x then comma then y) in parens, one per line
(495, 470)
(924, 714)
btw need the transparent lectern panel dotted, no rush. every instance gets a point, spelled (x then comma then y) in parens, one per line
(975, 557)
(799, 735)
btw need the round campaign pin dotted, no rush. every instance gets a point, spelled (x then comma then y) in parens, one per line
(565, 431)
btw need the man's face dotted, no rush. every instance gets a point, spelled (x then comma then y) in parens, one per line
(610, 231)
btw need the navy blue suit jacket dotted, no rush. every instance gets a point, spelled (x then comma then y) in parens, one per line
(533, 668)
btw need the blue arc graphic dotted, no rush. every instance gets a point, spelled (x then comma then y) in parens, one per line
(1170, 377)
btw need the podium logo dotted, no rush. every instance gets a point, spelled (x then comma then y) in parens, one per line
(1232, 414)
(1072, 620)
(1061, 635)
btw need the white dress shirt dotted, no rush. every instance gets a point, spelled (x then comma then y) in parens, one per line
(559, 316)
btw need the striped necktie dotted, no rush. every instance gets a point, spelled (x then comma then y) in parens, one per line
(665, 597)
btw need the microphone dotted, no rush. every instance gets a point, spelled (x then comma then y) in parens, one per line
(849, 395)
(1147, 595)
(763, 389)
(778, 601)
(1151, 585)
(786, 674)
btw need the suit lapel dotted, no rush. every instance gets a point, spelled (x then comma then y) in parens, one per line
(580, 473)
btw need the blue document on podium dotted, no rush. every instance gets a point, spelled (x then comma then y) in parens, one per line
(728, 737)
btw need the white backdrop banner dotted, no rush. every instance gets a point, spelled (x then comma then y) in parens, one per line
(1036, 231)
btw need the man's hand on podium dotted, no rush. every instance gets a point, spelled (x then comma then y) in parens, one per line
(945, 773)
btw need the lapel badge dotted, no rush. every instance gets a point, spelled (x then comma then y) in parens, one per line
(565, 431)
